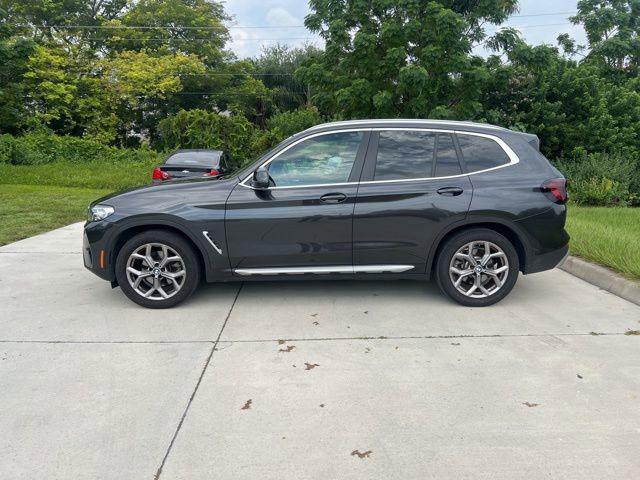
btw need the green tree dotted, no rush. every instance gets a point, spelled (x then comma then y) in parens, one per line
(56, 86)
(45, 19)
(191, 27)
(14, 56)
(613, 29)
(572, 106)
(138, 86)
(202, 129)
(276, 66)
(406, 58)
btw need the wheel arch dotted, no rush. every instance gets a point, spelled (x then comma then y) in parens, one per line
(510, 231)
(129, 231)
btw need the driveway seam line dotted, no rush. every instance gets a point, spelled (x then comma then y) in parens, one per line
(39, 251)
(195, 390)
(430, 337)
(320, 339)
(113, 342)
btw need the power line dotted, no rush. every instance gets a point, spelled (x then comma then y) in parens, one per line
(499, 27)
(279, 39)
(169, 39)
(164, 27)
(226, 27)
(217, 74)
(232, 94)
(543, 14)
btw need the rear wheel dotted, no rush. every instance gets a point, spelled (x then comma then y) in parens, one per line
(477, 267)
(157, 269)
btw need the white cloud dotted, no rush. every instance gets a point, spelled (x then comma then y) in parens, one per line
(247, 42)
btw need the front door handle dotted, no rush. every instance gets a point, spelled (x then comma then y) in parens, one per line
(450, 191)
(333, 198)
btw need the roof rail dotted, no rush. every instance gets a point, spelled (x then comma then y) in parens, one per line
(358, 123)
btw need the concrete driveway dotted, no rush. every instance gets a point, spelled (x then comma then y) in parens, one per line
(310, 380)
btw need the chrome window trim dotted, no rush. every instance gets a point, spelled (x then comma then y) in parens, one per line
(450, 123)
(513, 157)
(350, 269)
(300, 140)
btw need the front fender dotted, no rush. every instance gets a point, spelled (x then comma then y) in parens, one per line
(110, 236)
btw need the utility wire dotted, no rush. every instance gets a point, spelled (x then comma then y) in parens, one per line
(280, 39)
(218, 74)
(226, 27)
(180, 39)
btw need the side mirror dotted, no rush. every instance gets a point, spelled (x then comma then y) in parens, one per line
(261, 178)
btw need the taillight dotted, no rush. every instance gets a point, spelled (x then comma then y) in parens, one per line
(158, 174)
(212, 173)
(556, 190)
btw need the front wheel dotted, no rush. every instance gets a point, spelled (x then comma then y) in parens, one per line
(157, 269)
(477, 267)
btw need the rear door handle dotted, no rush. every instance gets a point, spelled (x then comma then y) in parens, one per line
(333, 198)
(450, 191)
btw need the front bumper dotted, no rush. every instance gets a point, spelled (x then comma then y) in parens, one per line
(95, 250)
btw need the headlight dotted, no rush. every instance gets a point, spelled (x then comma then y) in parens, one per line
(99, 212)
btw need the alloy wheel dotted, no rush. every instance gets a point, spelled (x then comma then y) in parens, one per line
(479, 269)
(156, 271)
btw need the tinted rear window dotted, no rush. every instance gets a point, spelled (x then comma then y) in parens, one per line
(481, 153)
(403, 155)
(447, 159)
(194, 158)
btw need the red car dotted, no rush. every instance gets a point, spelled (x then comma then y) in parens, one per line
(191, 163)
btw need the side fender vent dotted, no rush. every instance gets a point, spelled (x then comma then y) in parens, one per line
(212, 242)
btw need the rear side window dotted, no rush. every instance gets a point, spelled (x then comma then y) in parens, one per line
(404, 155)
(446, 159)
(481, 153)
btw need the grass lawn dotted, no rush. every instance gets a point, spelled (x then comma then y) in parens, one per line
(27, 210)
(608, 236)
(98, 175)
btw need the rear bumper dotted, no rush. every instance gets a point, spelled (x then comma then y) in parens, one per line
(546, 261)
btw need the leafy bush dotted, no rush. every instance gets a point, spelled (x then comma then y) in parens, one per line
(597, 191)
(6, 148)
(41, 148)
(201, 129)
(283, 125)
(601, 179)
(287, 123)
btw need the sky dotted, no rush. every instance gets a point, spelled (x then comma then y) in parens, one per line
(284, 17)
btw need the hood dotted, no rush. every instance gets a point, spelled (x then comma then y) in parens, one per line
(166, 195)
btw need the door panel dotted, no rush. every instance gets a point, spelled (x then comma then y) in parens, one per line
(291, 227)
(305, 218)
(396, 223)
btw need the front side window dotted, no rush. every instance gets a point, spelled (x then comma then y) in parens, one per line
(324, 159)
(481, 153)
(404, 155)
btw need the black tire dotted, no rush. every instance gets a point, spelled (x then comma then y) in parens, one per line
(452, 245)
(182, 247)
